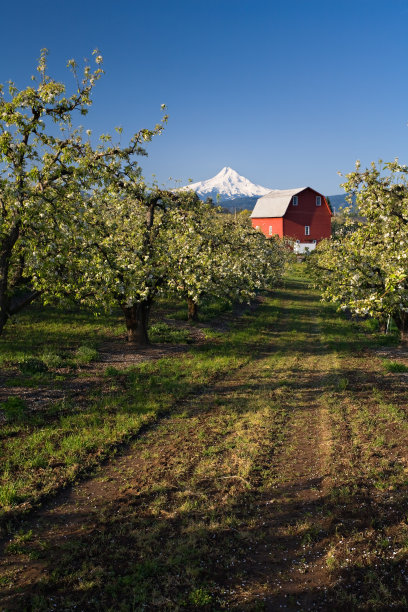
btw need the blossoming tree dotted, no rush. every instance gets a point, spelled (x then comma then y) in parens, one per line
(46, 166)
(218, 255)
(366, 270)
(116, 252)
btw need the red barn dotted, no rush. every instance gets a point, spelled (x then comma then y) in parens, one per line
(301, 214)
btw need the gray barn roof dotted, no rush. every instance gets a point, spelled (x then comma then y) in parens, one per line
(275, 203)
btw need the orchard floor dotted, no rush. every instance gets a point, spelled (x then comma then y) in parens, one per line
(281, 484)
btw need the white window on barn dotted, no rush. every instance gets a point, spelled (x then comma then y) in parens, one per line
(318, 201)
(307, 230)
(270, 230)
(295, 200)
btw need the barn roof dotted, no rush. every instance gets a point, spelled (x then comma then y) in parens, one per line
(274, 203)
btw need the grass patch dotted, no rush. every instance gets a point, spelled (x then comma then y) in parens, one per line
(85, 355)
(45, 449)
(190, 514)
(162, 332)
(176, 308)
(188, 527)
(14, 409)
(52, 359)
(18, 545)
(45, 330)
(199, 598)
(31, 365)
(394, 366)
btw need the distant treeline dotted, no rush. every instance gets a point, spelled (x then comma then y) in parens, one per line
(337, 203)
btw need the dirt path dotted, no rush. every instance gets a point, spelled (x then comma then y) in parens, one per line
(269, 490)
(115, 354)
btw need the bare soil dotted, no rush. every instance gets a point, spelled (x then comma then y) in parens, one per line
(282, 486)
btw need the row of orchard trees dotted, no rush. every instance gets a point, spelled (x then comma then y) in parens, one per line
(365, 268)
(78, 222)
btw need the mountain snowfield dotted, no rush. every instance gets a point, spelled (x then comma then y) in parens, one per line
(229, 185)
(237, 192)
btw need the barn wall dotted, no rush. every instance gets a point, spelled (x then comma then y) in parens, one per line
(264, 225)
(307, 213)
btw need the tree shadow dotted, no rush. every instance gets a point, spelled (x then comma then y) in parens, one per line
(130, 554)
(144, 549)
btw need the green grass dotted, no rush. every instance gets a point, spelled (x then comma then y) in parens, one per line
(394, 366)
(14, 409)
(31, 365)
(85, 354)
(18, 544)
(52, 360)
(176, 308)
(43, 450)
(186, 509)
(193, 513)
(40, 331)
(162, 332)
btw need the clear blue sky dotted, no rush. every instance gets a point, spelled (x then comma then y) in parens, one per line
(286, 92)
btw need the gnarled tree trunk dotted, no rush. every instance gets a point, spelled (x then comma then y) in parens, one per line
(137, 319)
(192, 310)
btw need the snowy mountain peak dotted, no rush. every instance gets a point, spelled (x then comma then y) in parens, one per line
(228, 184)
(226, 170)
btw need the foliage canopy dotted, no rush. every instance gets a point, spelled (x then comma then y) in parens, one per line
(366, 270)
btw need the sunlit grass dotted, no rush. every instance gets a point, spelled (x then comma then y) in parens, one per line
(198, 510)
(44, 449)
(394, 366)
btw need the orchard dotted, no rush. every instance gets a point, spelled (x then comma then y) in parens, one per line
(79, 223)
(365, 270)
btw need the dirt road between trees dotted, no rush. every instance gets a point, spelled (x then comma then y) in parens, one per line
(282, 485)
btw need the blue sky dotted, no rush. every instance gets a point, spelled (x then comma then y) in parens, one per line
(287, 93)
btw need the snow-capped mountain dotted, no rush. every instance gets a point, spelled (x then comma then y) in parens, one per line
(229, 185)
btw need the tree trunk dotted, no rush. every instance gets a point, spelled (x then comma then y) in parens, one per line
(17, 304)
(382, 323)
(137, 319)
(401, 321)
(192, 310)
(6, 250)
(3, 312)
(4, 297)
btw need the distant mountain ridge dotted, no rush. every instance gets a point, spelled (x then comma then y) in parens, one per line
(338, 202)
(235, 192)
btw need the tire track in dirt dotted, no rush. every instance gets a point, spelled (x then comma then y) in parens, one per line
(251, 487)
(368, 553)
(291, 571)
(128, 480)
